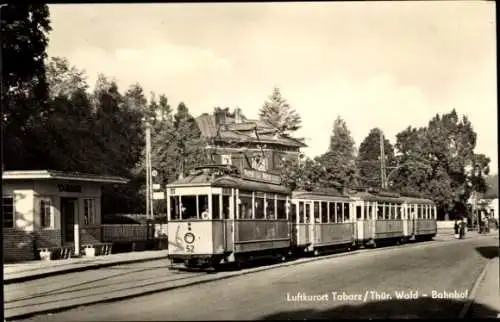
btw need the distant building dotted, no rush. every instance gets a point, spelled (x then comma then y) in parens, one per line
(40, 209)
(246, 144)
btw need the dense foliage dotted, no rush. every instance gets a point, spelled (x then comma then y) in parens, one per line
(368, 159)
(340, 159)
(277, 112)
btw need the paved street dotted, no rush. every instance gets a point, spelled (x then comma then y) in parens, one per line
(362, 282)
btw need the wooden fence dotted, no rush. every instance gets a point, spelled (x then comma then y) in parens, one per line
(109, 233)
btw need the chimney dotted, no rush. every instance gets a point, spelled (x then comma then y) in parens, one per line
(237, 115)
(220, 117)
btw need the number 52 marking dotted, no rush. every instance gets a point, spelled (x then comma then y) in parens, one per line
(189, 248)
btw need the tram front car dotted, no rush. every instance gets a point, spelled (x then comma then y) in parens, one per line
(212, 219)
(195, 227)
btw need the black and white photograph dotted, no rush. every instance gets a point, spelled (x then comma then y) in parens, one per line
(207, 161)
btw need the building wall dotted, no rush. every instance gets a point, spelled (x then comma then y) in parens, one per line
(21, 242)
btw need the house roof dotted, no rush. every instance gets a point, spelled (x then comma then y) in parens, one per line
(60, 175)
(244, 132)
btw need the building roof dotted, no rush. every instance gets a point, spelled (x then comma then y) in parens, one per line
(244, 132)
(60, 175)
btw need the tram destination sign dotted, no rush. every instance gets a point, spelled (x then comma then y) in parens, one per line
(261, 176)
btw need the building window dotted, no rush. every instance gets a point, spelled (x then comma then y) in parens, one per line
(45, 213)
(89, 212)
(259, 163)
(226, 159)
(8, 212)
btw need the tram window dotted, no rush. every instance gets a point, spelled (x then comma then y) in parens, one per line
(346, 211)
(316, 212)
(324, 212)
(380, 212)
(245, 207)
(202, 204)
(293, 212)
(332, 212)
(174, 208)
(215, 206)
(301, 212)
(359, 214)
(393, 211)
(271, 207)
(419, 212)
(226, 210)
(338, 207)
(398, 212)
(259, 207)
(367, 212)
(281, 209)
(307, 216)
(188, 207)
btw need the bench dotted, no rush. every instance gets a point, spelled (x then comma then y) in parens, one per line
(100, 248)
(58, 252)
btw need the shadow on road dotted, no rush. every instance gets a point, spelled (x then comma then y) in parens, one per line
(393, 309)
(488, 252)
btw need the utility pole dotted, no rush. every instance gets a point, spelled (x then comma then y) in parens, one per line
(149, 201)
(382, 162)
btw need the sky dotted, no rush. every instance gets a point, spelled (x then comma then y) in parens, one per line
(375, 64)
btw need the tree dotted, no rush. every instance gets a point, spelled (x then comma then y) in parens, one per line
(277, 113)
(119, 132)
(303, 174)
(368, 160)
(24, 35)
(339, 160)
(189, 145)
(63, 79)
(163, 143)
(492, 183)
(445, 166)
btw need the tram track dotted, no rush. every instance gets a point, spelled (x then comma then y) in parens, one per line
(57, 300)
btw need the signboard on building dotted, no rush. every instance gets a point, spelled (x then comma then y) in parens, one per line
(158, 195)
(69, 188)
(261, 176)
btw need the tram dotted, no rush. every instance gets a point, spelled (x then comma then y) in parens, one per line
(420, 216)
(321, 220)
(384, 217)
(220, 215)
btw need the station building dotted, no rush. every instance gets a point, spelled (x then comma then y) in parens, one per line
(40, 209)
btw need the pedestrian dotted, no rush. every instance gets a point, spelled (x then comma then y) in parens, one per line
(457, 227)
(462, 229)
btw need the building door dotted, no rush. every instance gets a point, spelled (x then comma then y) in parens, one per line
(68, 219)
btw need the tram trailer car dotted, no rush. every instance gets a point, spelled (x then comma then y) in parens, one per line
(321, 221)
(391, 218)
(420, 216)
(217, 216)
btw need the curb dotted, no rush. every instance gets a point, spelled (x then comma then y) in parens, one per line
(472, 295)
(212, 278)
(76, 269)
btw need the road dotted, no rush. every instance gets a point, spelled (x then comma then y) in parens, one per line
(366, 286)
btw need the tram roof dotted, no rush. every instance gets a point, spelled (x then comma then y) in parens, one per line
(202, 178)
(315, 195)
(375, 197)
(417, 200)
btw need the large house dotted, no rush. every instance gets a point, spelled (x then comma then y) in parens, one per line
(246, 144)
